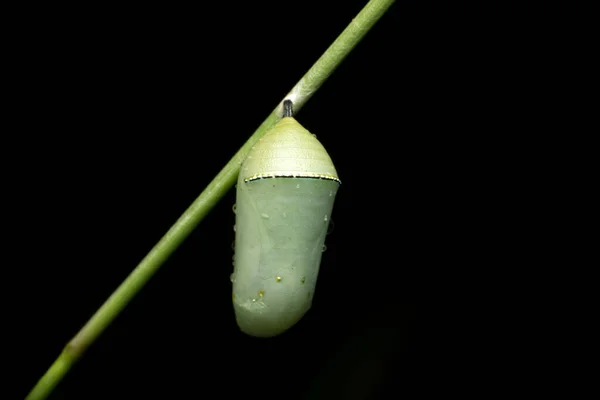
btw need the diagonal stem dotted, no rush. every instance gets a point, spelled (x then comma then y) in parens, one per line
(211, 195)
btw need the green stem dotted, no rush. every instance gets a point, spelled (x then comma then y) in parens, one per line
(211, 195)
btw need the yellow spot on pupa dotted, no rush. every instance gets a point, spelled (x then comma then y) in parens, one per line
(278, 279)
(261, 293)
(233, 297)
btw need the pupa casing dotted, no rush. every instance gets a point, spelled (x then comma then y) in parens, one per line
(284, 199)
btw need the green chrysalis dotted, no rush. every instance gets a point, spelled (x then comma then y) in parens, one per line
(284, 199)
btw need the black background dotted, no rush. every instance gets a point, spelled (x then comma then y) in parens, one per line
(126, 114)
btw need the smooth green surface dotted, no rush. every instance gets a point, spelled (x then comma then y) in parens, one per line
(281, 224)
(301, 92)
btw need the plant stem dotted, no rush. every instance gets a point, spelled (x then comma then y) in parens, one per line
(211, 195)
(336, 53)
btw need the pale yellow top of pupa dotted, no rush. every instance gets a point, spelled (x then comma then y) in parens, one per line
(288, 150)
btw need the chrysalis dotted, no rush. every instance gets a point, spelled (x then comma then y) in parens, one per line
(284, 198)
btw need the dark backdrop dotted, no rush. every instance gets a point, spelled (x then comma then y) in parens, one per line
(129, 112)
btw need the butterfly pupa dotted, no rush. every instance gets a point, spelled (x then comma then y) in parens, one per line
(284, 198)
